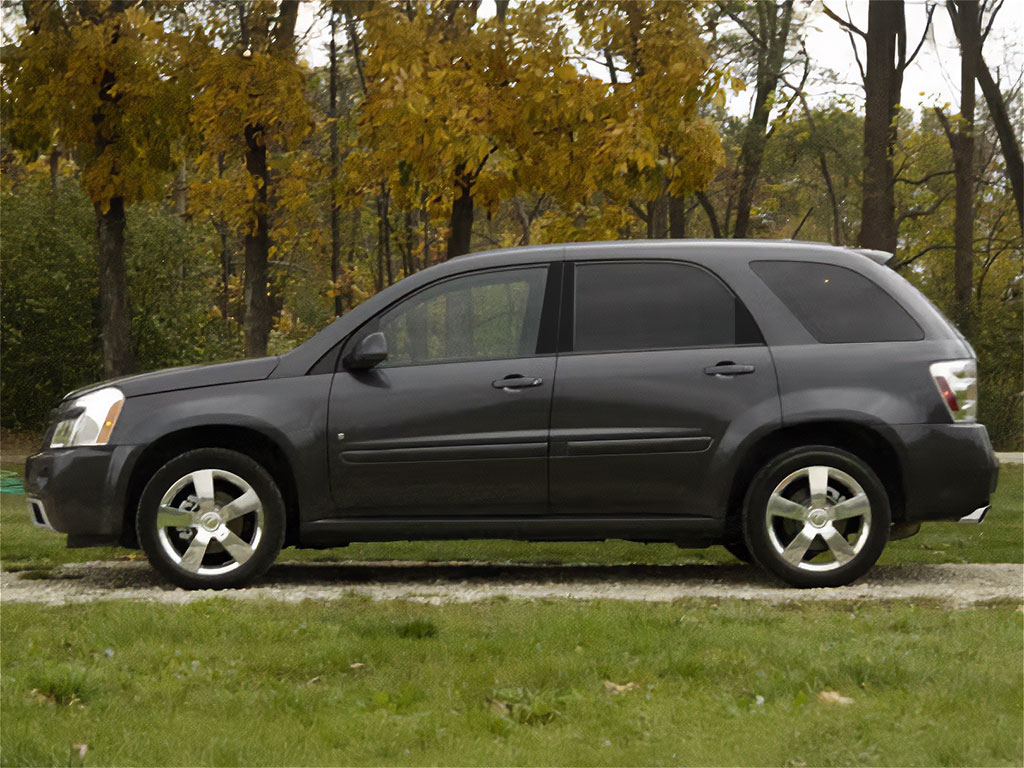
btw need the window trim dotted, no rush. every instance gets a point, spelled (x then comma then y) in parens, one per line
(545, 333)
(567, 332)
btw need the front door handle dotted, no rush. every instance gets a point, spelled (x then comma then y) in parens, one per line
(515, 381)
(728, 368)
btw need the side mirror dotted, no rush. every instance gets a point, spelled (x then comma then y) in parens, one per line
(370, 351)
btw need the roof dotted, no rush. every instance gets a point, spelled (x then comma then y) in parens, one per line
(640, 248)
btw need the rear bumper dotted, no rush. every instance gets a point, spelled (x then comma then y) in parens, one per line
(79, 491)
(949, 470)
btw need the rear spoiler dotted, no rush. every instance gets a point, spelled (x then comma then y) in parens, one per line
(880, 257)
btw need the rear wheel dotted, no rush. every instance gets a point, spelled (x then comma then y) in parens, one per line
(816, 517)
(211, 519)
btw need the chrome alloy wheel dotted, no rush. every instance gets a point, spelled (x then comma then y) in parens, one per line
(818, 518)
(210, 522)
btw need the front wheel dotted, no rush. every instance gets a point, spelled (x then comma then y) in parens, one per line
(816, 517)
(211, 518)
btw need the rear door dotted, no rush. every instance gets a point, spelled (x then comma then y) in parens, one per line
(660, 359)
(455, 420)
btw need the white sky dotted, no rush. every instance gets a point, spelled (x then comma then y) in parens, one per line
(933, 78)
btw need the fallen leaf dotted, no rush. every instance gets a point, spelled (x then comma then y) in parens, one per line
(315, 680)
(614, 688)
(834, 697)
(76, 757)
(43, 696)
(498, 707)
(357, 665)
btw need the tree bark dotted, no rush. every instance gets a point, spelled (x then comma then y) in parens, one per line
(882, 86)
(962, 144)
(676, 216)
(115, 321)
(773, 35)
(115, 327)
(997, 112)
(657, 218)
(709, 209)
(258, 310)
(461, 223)
(335, 213)
(1007, 135)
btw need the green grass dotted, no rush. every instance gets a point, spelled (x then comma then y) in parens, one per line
(512, 683)
(1000, 539)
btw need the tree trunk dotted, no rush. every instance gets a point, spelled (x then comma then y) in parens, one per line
(882, 81)
(657, 218)
(773, 28)
(461, 224)
(709, 209)
(335, 213)
(962, 144)
(676, 216)
(1007, 135)
(258, 310)
(115, 324)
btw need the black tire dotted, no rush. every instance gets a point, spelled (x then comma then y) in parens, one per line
(738, 549)
(776, 541)
(252, 540)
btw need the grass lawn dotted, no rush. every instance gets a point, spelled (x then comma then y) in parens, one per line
(512, 683)
(1000, 539)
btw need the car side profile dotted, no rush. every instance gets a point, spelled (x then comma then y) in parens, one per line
(800, 404)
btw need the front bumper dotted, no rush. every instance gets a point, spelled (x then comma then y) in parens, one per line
(80, 491)
(949, 470)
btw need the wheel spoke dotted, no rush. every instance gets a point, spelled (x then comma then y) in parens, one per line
(172, 517)
(203, 482)
(856, 506)
(243, 505)
(794, 553)
(237, 548)
(818, 480)
(839, 546)
(192, 560)
(779, 506)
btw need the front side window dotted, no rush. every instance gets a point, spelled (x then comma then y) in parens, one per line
(624, 306)
(482, 316)
(837, 305)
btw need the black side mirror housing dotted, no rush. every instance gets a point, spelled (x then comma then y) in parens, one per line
(370, 351)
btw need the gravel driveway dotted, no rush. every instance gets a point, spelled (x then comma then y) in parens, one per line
(440, 583)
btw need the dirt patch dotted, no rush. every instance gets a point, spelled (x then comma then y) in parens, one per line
(440, 583)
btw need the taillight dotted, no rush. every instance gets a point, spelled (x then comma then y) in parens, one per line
(957, 381)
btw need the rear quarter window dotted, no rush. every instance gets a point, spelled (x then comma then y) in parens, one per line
(837, 305)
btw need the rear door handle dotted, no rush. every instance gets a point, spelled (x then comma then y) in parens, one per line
(515, 381)
(728, 369)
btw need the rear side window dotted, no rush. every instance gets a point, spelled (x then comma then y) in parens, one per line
(623, 306)
(837, 305)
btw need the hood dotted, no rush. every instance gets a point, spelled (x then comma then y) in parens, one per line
(189, 377)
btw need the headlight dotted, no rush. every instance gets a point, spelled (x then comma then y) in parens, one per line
(91, 420)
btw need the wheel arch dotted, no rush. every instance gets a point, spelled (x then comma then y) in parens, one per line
(246, 440)
(865, 442)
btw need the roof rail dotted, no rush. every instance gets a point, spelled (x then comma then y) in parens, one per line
(881, 257)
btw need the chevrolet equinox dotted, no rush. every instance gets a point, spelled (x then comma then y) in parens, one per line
(800, 404)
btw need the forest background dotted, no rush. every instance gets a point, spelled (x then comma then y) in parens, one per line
(183, 182)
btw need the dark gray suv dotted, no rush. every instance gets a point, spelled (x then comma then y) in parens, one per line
(800, 404)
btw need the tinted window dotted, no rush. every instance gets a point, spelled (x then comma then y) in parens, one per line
(646, 305)
(836, 304)
(482, 316)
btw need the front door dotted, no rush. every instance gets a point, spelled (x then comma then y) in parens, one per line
(455, 420)
(661, 360)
